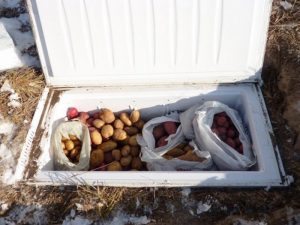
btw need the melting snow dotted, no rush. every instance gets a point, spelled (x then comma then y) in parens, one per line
(203, 207)
(14, 99)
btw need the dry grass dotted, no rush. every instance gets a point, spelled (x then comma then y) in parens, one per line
(28, 83)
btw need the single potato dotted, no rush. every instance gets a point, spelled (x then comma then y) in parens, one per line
(125, 151)
(125, 119)
(107, 146)
(139, 124)
(107, 131)
(116, 154)
(132, 141)
(135, 116)
(114, 166)
(97, 158)
(106, 115)
(98, 123)
(135, 151)
(126, 161)
(136, 163)
(69, 145)
(96, 137)
(118, 124)
(119, 135)
(131, 130)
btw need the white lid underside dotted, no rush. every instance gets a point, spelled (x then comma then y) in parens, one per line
(110, 42)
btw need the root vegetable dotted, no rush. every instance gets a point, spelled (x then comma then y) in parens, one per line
(131, 130)
(230, 142)
(106, 115)
(97, 158)
(98, 123)
(175, 152)
(116, 154)
(69, 145)
(119, 135)
(135, 116)
(118, 124)
(73, 153)
(162, 141)
(139, 124)
(134, 151)
(125, 119)
(125, 151)
(158, 132)
(96, 137)
(190, 156)
(170, 127)
(221, 120)
(114, 166)
(136, 163)
(83, 116)
(107, 146)
(72, 113)
(132, 141)
(125, 161)
(108, 158)
(107, 131)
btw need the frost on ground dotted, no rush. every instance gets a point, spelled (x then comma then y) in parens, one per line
(16, 38)
(33, 214)
(118, 218)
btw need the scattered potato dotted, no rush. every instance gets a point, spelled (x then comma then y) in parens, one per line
(125, 151)
(108, 158)
(132, 141)
(107, 131)
(136, 163)
(107, 146)
(106, 115)
(139, 124)
(96, 137)
(131, 130)
(126, 160)
(98, 123)
(119, 135)
(118, 124)
(125, 119)
(114, 166)
(97, 157)
(135, 116)
(116, 154)
(134, 151)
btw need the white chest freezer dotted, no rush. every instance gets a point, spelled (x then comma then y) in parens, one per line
(157, 56)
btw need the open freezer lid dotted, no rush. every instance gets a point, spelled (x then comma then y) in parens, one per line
(115, 42)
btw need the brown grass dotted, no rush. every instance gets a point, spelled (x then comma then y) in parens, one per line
(28, 83)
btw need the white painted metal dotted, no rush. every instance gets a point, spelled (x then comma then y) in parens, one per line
(156, 101)
(117, 42)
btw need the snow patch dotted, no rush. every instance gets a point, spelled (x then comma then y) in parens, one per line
(122, 218)
(249, 222)
(14, 99)
(202, 207)
(6, 127)
(186, 192)
(33, 214)
(286, 5)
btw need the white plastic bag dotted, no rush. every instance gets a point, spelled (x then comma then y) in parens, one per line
(224, 156)
(148, 141)
(61, 161)
(155, 162)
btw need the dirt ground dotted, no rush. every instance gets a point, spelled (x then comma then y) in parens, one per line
(281, 89)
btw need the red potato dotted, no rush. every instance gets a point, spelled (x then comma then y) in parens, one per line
(240, 149)
(221, 120)
(72, 113)
(215, 130)
(230, 142)
(237, 141)
(95, 115)
(222, 130)
(221, 114)
(158, 132)
(83, 116)
(162, 141)
(89, 122)
(170, 127)
(230, 132)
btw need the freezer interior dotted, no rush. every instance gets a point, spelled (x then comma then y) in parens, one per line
(152, 102)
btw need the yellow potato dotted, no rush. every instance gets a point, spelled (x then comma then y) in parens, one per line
(73, 137)
(74, 153)
(188, 148)
(118, 124)
(125, 161)
(107, 131)
(77, 143)
(107, 146)
(66, 152)
(98, 123)
(135, 116)
(63, 146)
(136, 163)
(132, 141)
(139, 124)
(134, 151)
(97, 157)
(131, 130)
(69, 145)
(175, 152)
(125, 119)
(116, 154)
(106, 115)
(64, 139)
(190, 156)
(125, 151)
(119, 135)
(114, 166)
(96, 137)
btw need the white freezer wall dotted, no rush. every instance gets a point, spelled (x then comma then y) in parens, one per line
(91, 40)
(159, 101)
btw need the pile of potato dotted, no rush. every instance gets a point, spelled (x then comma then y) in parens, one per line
(114, 144)
(183, 151)
(224, 128)
(162, 131)
(71, 147)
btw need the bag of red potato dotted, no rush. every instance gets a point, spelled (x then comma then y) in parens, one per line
(218, 129)
(161, 134)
